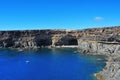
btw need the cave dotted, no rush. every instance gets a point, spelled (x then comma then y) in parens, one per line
(44, 42)
(67, 40)
(72, 42)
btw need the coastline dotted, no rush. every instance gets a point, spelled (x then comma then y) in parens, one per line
(64, 46)
(95, 41)
(98, 76)
(111, 71)
(34, 48)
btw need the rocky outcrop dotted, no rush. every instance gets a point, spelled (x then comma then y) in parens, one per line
(97, 41)
(106, 43)
(112, 69)
(99, 48)
(112, 50)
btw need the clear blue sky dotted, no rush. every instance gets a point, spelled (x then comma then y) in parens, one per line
(58, 14)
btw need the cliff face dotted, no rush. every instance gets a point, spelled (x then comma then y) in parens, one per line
(97, 41)
(93, 41)
(99, 48)
(38, 38)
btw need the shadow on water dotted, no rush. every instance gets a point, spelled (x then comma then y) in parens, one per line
(48, 64)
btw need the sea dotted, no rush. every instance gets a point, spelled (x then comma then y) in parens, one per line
(49, 64)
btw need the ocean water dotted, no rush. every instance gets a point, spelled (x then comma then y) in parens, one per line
(48, 64)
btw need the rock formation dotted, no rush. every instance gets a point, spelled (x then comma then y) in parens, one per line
(36, 38)
(100, 41)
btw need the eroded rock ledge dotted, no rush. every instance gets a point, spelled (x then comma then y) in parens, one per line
(100, 41)
(112, 69)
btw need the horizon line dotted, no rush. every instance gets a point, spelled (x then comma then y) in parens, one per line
(59, 29)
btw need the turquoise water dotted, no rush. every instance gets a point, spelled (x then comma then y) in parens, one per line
(48, 64)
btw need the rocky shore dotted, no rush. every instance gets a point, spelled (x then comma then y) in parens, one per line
(96, 41)
(111, 70)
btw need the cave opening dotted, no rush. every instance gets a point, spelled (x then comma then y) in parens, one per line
(44, 42)
(67, 40)
(72, 42)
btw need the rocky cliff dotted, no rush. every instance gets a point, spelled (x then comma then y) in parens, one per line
(99, 48)
(100, 41)
(38, 38)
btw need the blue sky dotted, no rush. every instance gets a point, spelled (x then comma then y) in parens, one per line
(58, 14)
